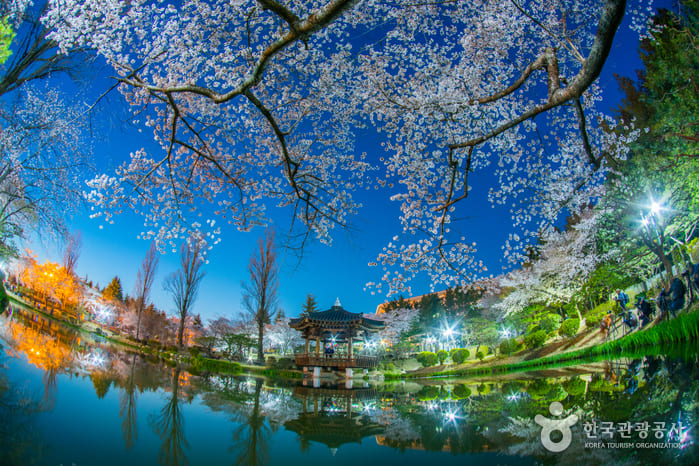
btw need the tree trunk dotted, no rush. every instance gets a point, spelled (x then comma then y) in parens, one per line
(260, 346)
(138, 321)
(180, 334)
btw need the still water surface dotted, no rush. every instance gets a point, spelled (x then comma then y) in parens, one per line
(68, 399)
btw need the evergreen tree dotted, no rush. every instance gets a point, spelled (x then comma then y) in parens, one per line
(431, 309)
(114, 292)
(661, 166)
(309, 306)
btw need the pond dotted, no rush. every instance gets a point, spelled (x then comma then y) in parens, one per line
(69, 399)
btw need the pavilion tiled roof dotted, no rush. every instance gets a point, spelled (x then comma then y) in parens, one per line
(337, 315)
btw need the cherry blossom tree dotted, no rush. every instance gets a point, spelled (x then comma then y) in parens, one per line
(283, 336)
(259, 103)
(42, 155)
(397, 322)
(43, 160)
(565, 261)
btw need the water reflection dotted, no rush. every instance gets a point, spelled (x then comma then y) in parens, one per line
(20, 443)
(613, 401)
(334, 416)
(169, 426)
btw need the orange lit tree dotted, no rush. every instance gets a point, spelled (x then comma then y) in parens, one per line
(52, 280)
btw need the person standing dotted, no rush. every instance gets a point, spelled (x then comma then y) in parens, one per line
(622, 299)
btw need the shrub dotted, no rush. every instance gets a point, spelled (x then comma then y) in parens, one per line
(459, 355)
(388, 367)
(427, 393)
(480, 355)
(215, 365)
(574, 386)
(532, 328)
(271, 361)
(460, 392)
(483, 389)
(593, 319)
(194, 351)
(570, 327)
(550, 322)
(536, 339)
(442, 356)
(509, 346)
(427, 358)
(285, 363)
(443, 394)
(539, 388)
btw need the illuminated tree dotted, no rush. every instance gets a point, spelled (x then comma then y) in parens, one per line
(52, 280)
(653, 200)
(398, 322)
(257, 104)
(114, 291)
(283, 336)
(42, 159)
(565, 261)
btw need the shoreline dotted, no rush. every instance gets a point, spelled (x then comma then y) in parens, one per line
(682, 329)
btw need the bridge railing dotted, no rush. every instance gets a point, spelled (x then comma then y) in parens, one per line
(341, 362)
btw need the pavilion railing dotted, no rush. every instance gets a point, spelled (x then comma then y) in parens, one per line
(341, 362)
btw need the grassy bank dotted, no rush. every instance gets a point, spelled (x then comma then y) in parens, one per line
(683, 330)
(197, 364)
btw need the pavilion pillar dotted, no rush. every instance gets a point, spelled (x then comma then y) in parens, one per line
(307, 345)
(349, 346)
(317, 347)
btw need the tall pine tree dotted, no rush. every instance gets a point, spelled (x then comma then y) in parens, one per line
(114, 291)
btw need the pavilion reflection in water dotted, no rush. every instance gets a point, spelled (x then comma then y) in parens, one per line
(334, 416)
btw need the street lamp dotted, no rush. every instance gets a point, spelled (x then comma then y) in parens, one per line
(448, 333)
(506, 333)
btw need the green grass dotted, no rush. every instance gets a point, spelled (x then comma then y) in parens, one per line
(220, 366)
(677, 334)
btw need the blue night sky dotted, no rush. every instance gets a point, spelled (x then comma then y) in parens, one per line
(328, 272)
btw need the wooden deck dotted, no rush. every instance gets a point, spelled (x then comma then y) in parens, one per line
(336, 362)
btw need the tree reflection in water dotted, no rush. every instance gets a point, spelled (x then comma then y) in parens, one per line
(169, 426)
(20, 441)
(251, 437)
(127, 407)
(460, 416)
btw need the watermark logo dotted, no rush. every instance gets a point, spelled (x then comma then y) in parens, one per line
(549, 426)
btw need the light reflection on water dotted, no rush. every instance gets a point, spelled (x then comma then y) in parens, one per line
(70, 399)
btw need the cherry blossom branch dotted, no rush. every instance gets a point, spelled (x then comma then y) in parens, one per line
(300, 31)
